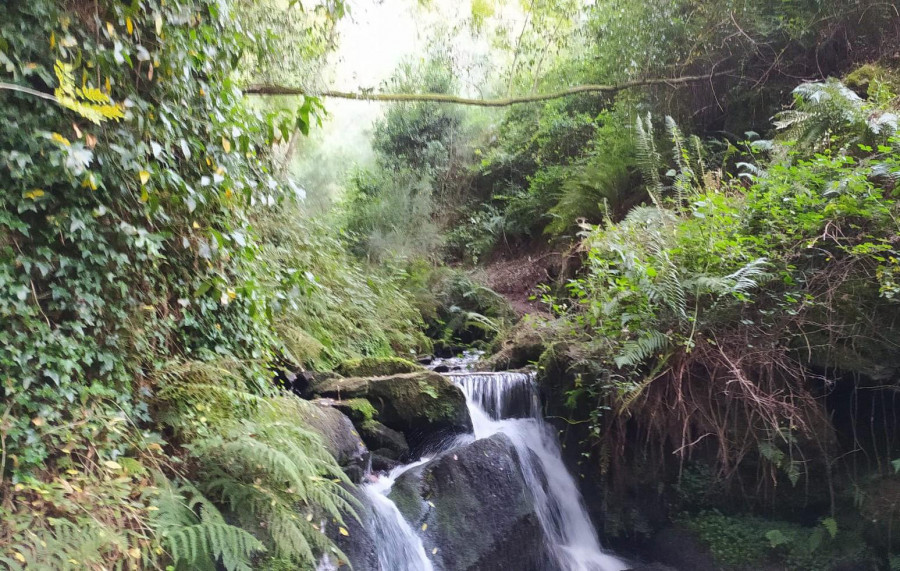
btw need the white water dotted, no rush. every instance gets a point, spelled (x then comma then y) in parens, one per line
(397, 545)
(493, 399)
(505, 403)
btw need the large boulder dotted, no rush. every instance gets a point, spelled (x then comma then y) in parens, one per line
(340, 436)
(377, 367)
(422, 405)
(471, 505)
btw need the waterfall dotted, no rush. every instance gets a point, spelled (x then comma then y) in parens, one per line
(509, 403)
(397, 545)
(505, 403)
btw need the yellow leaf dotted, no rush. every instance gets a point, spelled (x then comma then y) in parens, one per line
(60, 139)
(112, 465)
(308, 517)
(226, 144)
(145, 196)
(231, 294)
(144, 176)
(135, 553)
(19, 487)
(424, 526)
(152, 509)
(343, 531)
(19, 557)
(129, 25)
(34, 194)
(52, 40)
(108, 86)
(110, 29)
(157, 21)
(72, 472)
(195, 225)
(37, 421)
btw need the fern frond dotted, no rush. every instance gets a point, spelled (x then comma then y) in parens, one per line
(648, 158)
(639, 350)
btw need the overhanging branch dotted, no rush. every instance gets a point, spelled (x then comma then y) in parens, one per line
(269, 90)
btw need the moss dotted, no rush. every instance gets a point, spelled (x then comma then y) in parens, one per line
(862, 78)
(361, 407)
(411, 402)
(377, 367)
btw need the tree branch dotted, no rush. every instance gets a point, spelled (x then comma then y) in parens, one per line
(269, 90)
(28, 90)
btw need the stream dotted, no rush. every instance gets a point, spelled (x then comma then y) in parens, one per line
(506, 403)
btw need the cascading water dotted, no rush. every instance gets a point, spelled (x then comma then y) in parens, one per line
(508, 403)
(397, 545)
(505, 403)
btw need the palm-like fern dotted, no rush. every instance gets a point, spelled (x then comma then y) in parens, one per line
(649, 159)
(196, 534)
(258, 463)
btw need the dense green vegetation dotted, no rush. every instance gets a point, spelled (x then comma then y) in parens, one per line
(715, 305)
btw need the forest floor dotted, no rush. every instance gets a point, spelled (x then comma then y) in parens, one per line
(516, 275)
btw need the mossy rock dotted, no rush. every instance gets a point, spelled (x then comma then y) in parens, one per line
(478, 483)
(421, 405)
(522, 347)
(388, 442)
(863, 77)
(357, 410)
(377, 367)
(340, 437)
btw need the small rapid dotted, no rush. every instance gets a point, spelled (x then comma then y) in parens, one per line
(397, 545)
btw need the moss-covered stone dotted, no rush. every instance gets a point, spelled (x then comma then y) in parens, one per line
(863, 77)
(340, 436)
(522, 347)
(388, 442)
(358, 410)
(417, 404)
(376, 367)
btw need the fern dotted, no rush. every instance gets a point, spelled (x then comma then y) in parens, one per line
(648, 158)
(196, 535)
(257, 461)
(639, 350)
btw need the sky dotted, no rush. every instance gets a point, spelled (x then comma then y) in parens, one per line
(376, 37)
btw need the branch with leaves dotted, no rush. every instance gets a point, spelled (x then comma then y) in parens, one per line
(274, 90)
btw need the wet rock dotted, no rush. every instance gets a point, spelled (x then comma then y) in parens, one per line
(340, 436)
(421, 405)
(382, 462)
(388, 442)
(471, 504)
(376, 367)
(358, 545)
